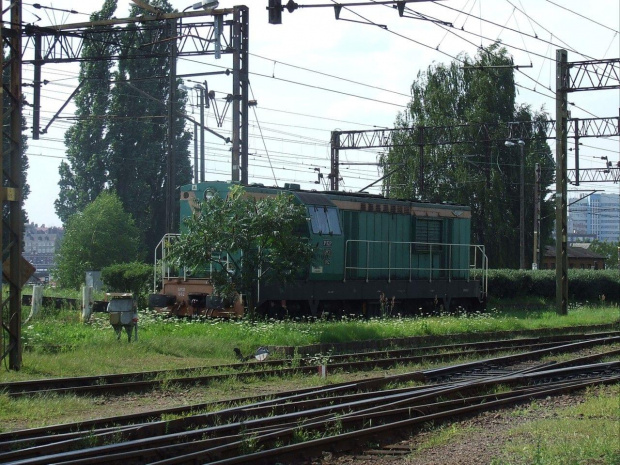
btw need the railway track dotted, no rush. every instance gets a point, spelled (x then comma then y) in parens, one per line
(299, 423)
(145, 381)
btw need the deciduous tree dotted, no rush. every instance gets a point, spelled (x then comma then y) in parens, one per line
(244, 239)
(483, 174)
(138, 133)
(611, 251)
(84, 175)
(103, 234)
(120, 139)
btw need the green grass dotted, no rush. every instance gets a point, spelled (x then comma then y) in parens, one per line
(586, 433)
(37, 409)
(56, 343)
(442, 435)
(49, 291)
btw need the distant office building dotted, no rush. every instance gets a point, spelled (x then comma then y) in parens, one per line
(40, 246)
(595, 216)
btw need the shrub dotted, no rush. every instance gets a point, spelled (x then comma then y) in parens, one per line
(134, 277)
(583, 285)
(103, 234)
(543, 283)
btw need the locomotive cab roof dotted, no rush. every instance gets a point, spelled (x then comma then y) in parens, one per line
(315, 197)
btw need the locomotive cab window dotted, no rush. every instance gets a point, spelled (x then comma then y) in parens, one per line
(324, 220)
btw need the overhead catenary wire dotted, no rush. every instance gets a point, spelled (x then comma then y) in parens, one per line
(403, 94)
(564, 44)
(582, 16)
(518, 69)
(261, 135)
(264, 124)
(330, 75)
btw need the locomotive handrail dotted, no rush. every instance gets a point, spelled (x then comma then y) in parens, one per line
(162, 249)
(161, 253)
(477, 259)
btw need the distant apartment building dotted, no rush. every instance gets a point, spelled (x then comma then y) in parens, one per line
(40, 246)
(595, 216)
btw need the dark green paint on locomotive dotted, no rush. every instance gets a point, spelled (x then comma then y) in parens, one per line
(368, 237)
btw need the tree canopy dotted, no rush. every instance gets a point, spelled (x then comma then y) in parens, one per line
(103, 234)
(6, 165)
(483, 174)
(120, 139)
(610, 250)
(245, 239)
(84, 176)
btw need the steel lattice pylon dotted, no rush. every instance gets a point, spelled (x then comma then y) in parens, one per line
(467, 134)
(64, 43)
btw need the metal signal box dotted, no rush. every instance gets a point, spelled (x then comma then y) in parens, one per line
(123, 313)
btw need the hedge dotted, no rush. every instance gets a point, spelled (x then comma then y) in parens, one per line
(583, 285)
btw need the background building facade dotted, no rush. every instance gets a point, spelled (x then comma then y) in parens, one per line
(595, 216)
(40, 246)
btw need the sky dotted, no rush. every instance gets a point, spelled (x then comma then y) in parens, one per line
(313, 74)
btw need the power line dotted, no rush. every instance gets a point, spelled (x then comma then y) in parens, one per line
(290, 81)
(329, 75)
(500, 25)
(583, 16)
(263, 139)
(450, 30)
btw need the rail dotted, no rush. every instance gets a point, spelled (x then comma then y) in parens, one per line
(339, 416)
(365, 259)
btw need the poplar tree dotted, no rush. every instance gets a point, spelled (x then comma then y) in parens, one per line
(120, 139)
(84, 175)
(138, 131)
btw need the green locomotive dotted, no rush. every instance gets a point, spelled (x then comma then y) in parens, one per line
(372, 253)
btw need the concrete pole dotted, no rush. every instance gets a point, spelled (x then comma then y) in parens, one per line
(522, 209)
(521, 145)
(561, 226)
(87, 303)
(536, 217)
(195, 153)
(202, 134)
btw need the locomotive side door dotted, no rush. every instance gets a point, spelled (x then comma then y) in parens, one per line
(326, 235)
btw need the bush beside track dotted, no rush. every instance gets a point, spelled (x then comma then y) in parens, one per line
(583, 285)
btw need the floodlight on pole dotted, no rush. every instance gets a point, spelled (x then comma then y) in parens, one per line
(206, 5)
